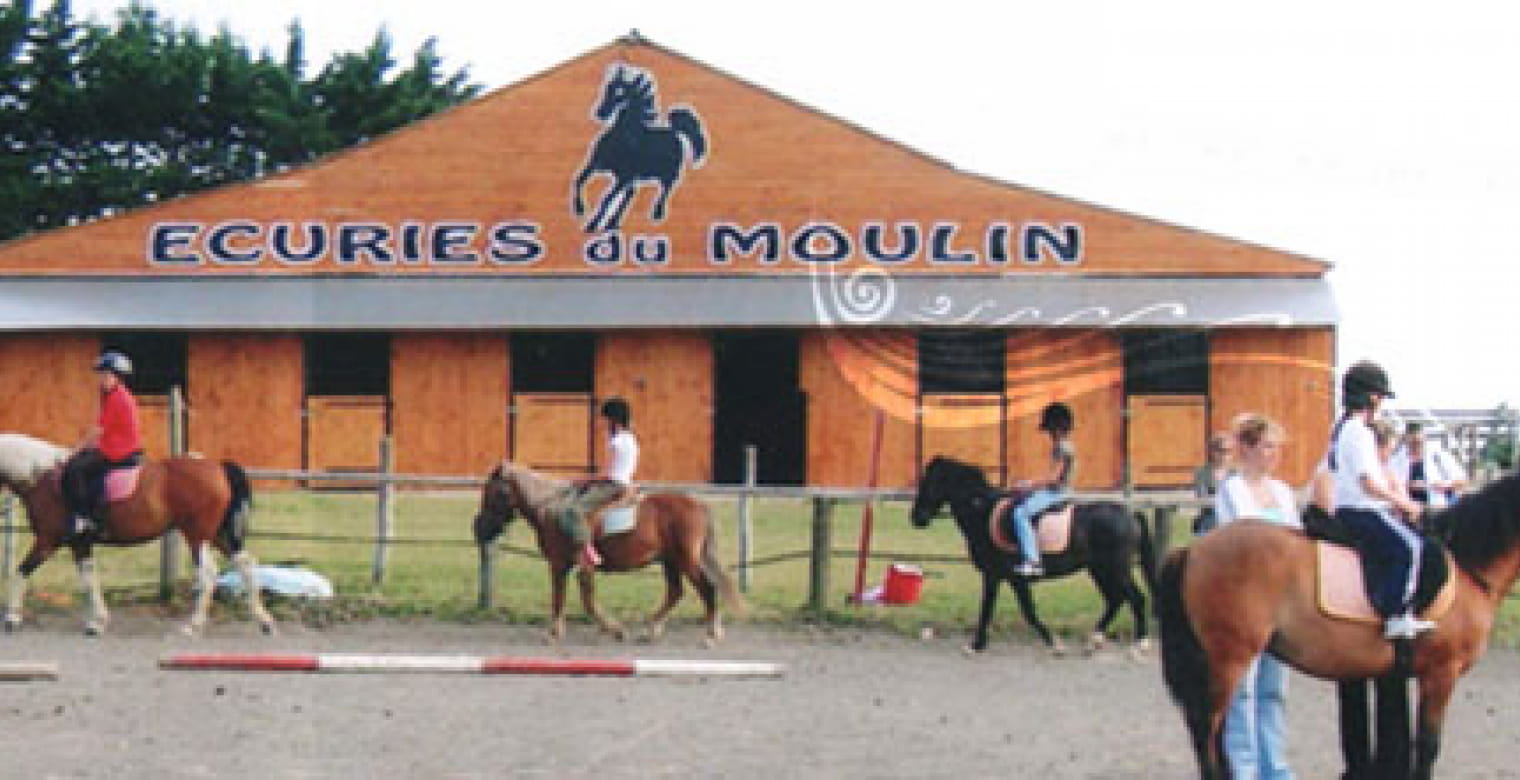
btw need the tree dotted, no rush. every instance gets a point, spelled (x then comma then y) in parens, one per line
(95, 118)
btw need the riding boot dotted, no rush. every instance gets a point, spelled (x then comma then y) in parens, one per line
(1403, 657)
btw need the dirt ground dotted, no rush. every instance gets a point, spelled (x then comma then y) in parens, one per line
(851, 704)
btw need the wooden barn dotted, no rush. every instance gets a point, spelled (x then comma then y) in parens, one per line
(744, 269)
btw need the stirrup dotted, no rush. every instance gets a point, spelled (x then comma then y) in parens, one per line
(1405, 627)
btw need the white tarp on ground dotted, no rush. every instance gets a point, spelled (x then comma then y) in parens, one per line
(282, 580)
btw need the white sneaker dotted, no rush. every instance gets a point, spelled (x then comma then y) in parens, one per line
(1405, 627)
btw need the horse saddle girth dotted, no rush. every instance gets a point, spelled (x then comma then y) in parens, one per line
(1341, 584)
(1052, 528)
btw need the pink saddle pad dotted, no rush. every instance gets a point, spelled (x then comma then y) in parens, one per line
(121, 483)
(1343, 591)
(1052, 530)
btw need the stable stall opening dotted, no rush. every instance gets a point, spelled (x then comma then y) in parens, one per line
(347, 378)
(1166, 388)
(552, 405)
(759, 403)
(160, 363)
(962, 376)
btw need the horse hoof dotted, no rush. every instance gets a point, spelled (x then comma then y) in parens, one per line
(971, 651)
(267, 628)
(1140, 649)
(1058, 649)
(12, 624)
(94, 629)
(1095, 643)
(190, 629)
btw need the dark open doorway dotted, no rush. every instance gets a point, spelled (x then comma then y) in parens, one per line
(759, 403)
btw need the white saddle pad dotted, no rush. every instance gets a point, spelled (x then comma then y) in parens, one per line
(619, 519)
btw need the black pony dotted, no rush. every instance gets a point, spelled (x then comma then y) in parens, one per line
(1104, 540)
(636, 147)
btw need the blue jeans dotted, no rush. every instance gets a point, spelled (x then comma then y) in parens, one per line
(1037, 502)
(1253, 724)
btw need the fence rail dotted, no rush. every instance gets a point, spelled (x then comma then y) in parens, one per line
(824, 500)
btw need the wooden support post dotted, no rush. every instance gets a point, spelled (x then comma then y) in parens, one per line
(486, 598)
(746, 499)
(169, 546)
(385, 508)
(822, 553)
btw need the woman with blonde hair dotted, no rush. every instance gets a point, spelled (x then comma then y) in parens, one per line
(1253, 726)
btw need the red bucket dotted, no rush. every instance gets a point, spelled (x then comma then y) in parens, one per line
(904, 584)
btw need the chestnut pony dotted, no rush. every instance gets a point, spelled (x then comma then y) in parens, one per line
(674, 529)
(206, 501)
(1250, 587)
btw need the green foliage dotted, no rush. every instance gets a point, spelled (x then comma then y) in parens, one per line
(97, 118)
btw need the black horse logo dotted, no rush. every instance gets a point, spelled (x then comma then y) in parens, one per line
(636, 147)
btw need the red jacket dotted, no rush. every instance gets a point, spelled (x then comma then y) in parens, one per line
(119, 434)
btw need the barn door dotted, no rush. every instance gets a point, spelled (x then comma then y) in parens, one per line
(552, 432)
(1167, 434)
(343, 433)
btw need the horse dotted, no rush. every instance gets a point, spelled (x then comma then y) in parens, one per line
(635, 147)
(674, 529)
(208, 502)
(1104, 540)
(1249, 588)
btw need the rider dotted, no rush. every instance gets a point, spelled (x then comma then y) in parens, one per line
(1370, 508)
(1056, 420)
(115, 442)
(622, 460)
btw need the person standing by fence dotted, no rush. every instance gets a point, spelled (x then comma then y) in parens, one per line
(1433, 476)
(617, 477)
(1254, 723)
(1206, 480)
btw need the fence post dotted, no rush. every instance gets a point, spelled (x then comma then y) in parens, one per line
(168, 547)
(487, 574)
(8, 516)
(823, 533)
(746, 554)
(384, 507)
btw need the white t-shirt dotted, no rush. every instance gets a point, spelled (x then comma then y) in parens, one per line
(1356, 455)
(623, 456)
(1236, 500)
(1440, 466)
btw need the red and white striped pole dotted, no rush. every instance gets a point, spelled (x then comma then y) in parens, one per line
(345, 662)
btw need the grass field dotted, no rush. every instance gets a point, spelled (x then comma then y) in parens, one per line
(432, 568)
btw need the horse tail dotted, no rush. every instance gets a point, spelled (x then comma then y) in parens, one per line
(685, 122)
(1184, 664)
(234, 528)
(713, 569)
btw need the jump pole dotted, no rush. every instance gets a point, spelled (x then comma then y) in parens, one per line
(20, 671)
(867, 513)
(334, 663)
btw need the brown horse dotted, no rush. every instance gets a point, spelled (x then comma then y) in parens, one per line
(208, 502)
(674, 529)
(1250, 587)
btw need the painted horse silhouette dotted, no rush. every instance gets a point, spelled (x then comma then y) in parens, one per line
(636, 147)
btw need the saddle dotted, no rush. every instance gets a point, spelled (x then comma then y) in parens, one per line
(1341, 583)
(619, 516)
(121, 483)
(1052, 528)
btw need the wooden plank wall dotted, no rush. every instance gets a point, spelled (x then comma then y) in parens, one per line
(245, 398)
(1085, 370)
(968, 428)
(153, 422)
(343, 432)
(449, 395)
(552, 432)
(1167, 437)
(667, 378)
(50, 391)
(848, 376)
(1285, 373)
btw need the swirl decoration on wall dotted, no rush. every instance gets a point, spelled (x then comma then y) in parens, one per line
(862, 297)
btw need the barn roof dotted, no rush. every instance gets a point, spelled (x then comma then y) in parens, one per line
(467, 219)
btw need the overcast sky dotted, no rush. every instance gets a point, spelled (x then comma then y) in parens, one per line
(1382, 137)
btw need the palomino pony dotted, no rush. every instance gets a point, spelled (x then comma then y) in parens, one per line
(206, 501)
(1250, 587)
(674, 529)
(1104, 540)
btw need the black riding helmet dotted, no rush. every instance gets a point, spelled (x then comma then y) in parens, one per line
(617, 410)
(1057, 418)
(1362, 380)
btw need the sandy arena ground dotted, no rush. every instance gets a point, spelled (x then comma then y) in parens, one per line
(851, 705)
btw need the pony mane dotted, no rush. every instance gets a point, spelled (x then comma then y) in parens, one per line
(957, 470)
(1484, 525)
(533, 488)
(25, 459)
